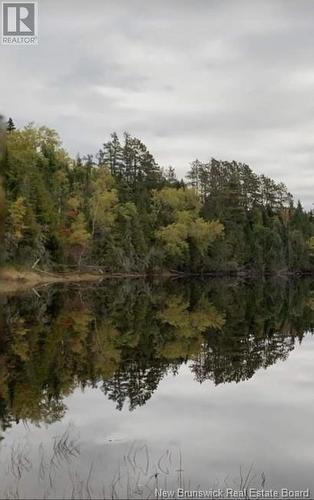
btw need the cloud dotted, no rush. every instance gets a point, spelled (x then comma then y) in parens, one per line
(233, 80)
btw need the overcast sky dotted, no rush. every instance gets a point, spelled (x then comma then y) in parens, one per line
(197, 78)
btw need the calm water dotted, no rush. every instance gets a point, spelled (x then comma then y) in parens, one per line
(116, 389)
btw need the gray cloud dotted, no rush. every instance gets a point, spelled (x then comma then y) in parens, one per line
(233, 80)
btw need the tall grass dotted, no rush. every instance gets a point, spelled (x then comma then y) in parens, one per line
(58, 471)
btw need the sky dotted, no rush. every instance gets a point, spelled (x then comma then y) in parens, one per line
(192, 79)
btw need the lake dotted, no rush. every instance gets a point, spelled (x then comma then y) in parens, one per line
(118, 389)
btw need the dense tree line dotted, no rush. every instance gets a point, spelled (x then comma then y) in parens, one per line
(120, 210)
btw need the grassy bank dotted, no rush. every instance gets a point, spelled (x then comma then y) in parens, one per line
(17, 280)
(13, 280)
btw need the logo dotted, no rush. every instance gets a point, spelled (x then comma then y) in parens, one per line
(19, 23)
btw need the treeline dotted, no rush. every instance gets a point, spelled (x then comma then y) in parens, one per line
(120, 210)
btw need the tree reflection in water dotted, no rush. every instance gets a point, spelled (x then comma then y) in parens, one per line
(125, 336)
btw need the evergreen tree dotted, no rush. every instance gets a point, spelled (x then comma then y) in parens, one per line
(126, 213)
(10, 125)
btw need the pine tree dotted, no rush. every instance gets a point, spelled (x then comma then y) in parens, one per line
(126, 213)
(10, 125)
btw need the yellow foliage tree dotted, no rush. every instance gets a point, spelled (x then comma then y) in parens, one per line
(75, 236)
(183, 207)
(104, 201)
(16, 216)
(311, 245)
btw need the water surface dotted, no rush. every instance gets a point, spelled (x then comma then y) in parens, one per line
(114, 390)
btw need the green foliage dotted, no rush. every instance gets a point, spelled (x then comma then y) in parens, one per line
(177, 201)
(311, 245)
(189, 234)
(123, 212)
(174, 238)
(74, 234)
(264, 232)
(16, 219)
(10, 125)
(2, 221)
(104, 201)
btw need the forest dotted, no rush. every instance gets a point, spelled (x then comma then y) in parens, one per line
(120, 211)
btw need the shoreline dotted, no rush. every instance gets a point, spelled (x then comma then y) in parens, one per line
(12, 280)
